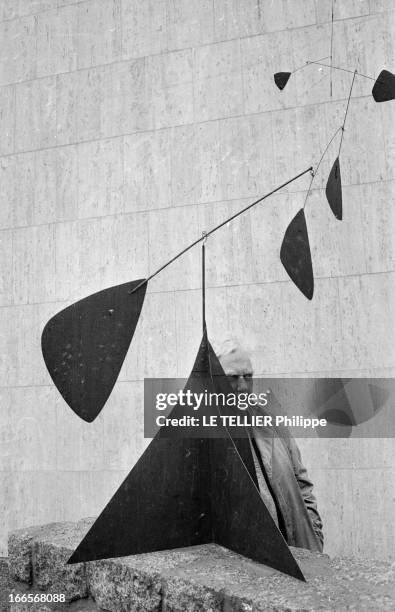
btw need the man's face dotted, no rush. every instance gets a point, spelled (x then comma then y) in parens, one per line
(238, 368)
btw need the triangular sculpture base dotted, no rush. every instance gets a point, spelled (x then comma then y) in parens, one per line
(184, 492)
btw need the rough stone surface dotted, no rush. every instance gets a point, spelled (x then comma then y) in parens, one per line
(4, 584)
(52, 574)
(20, 551)
(117, 584)
(202, 578)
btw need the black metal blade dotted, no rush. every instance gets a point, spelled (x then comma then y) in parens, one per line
(334, 190)
(384, 87)
(295, 255)
(281, 79)
(163, 503)
(85, 344)
(190, 491)
(240, 519)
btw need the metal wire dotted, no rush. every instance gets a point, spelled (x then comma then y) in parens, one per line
(346, 113)
(313, 175)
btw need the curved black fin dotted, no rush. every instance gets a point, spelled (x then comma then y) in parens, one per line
(295, 255)
(281, 79)
(384, 87)
(84, 345)
(333, 190)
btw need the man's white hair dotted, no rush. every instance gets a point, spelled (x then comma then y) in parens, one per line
(227, 346)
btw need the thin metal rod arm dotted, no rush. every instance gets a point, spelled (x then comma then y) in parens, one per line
(305, 64)
(365, 76)
(204, 285)
(345, 114)
(217, 227)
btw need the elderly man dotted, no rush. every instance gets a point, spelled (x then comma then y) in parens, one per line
(283, 481)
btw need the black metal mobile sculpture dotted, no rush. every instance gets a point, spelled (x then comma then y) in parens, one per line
(191, 499)
(201, 490)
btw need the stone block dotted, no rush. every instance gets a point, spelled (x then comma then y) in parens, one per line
(377, 6)
(170, 88)
(125, 99)
(17, 50)
(228, 22)
(36, 118)
(206, 578)
(100, 178)
(196, 164)
(34, 264)
(246, 156)
(6, 279)
(7, 168)
(21, 173)
(185, 177)
(20, 552)
(313, 338)
(32, 7)
(237, 19)
(378, 239)
(98, 34)
(31, 428)
(7, 114)
(56, 184)
(218, 82)
(153, 351)
(123, 422)
(77, 447)
(56, 41)
(21, 361)
(265, 337)
(305, 134)
(147, 170)
(4, 584)
(144, 29)
(80, 100)
(189, 24)
(367, 330)
(67, 261)
(8, 9)
(51, 573)
(387, 120)
(117, 585)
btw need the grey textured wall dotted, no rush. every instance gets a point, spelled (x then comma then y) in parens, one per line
(128, 127)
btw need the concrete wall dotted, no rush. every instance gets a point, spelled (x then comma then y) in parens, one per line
(128, 127)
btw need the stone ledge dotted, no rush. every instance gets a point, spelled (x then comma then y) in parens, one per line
(200, 578)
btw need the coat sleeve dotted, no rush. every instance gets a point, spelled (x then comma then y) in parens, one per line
(306, 488)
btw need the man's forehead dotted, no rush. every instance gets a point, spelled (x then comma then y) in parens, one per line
(236, 362)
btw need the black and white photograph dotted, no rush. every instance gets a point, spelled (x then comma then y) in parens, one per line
(197, 305)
